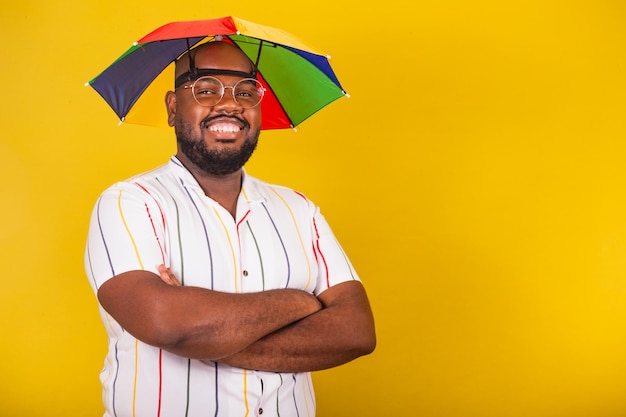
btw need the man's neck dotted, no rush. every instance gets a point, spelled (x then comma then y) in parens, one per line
(224, 189)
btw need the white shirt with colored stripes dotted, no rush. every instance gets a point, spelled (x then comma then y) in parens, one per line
(278, 239)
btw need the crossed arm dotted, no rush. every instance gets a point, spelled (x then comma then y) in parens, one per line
(282, 330)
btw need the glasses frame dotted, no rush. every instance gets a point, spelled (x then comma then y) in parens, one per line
(223, 90)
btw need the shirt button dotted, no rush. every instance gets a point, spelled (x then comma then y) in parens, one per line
(245, 273)
(260, 411)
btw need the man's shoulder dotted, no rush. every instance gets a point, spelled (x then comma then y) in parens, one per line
(167, 169)
(257, 189)
(147, 181)
(269, 187)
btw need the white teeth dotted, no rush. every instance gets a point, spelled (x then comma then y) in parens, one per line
(224, 128)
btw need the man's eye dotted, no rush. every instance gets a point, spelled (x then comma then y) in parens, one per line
(246, 91)
(205, 91)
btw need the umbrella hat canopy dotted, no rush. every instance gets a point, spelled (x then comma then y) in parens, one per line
(298, 79)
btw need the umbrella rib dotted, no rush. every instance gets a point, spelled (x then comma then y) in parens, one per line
(258, 56)
(265, 43)
(280, 104)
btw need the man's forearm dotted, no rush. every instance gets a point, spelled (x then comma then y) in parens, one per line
(199, 323)
(342, 331)
(241, 322)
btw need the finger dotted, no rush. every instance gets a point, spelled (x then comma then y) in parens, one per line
(167, 276)
(173, 278)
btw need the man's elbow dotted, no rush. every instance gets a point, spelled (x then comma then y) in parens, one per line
(190, 342)
(164, 336)
(367, 343)
(187, 347)
(361, 341)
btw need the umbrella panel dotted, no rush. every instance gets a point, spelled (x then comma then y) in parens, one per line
(150, 109)
(128, 77)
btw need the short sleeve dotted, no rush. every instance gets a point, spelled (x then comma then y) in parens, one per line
(126, 233)
(333, 264)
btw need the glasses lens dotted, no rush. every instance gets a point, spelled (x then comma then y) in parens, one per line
(208, 91)
(248, 92)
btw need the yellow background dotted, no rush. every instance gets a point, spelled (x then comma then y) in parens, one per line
(475, 178)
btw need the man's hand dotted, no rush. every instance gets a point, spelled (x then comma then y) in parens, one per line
(167, 276)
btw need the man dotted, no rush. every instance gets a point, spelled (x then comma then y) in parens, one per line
(219, 292)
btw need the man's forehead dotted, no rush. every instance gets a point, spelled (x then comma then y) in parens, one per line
(217, 52)
(213, 56)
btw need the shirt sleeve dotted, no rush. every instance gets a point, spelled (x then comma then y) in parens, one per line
(334, 267)
(126, 233)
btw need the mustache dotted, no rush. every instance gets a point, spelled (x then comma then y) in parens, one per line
(207, 120)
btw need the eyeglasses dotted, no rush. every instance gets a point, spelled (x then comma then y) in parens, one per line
(208, 91)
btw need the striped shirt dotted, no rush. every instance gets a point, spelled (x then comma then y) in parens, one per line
(278, 239)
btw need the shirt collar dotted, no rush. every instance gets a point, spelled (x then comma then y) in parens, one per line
(249, 188)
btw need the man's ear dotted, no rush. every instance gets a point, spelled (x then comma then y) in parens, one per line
(170, 103)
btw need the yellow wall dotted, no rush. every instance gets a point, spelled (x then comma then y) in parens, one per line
(475, 177)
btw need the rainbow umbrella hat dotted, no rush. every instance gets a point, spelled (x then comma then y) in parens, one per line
(298, 80)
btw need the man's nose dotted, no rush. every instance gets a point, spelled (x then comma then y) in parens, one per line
(228, 100)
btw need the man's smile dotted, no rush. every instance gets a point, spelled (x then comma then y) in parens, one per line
(224, 127)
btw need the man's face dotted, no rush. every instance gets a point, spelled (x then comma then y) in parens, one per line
(219, 139)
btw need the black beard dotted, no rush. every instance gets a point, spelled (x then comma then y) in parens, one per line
(222, 162)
